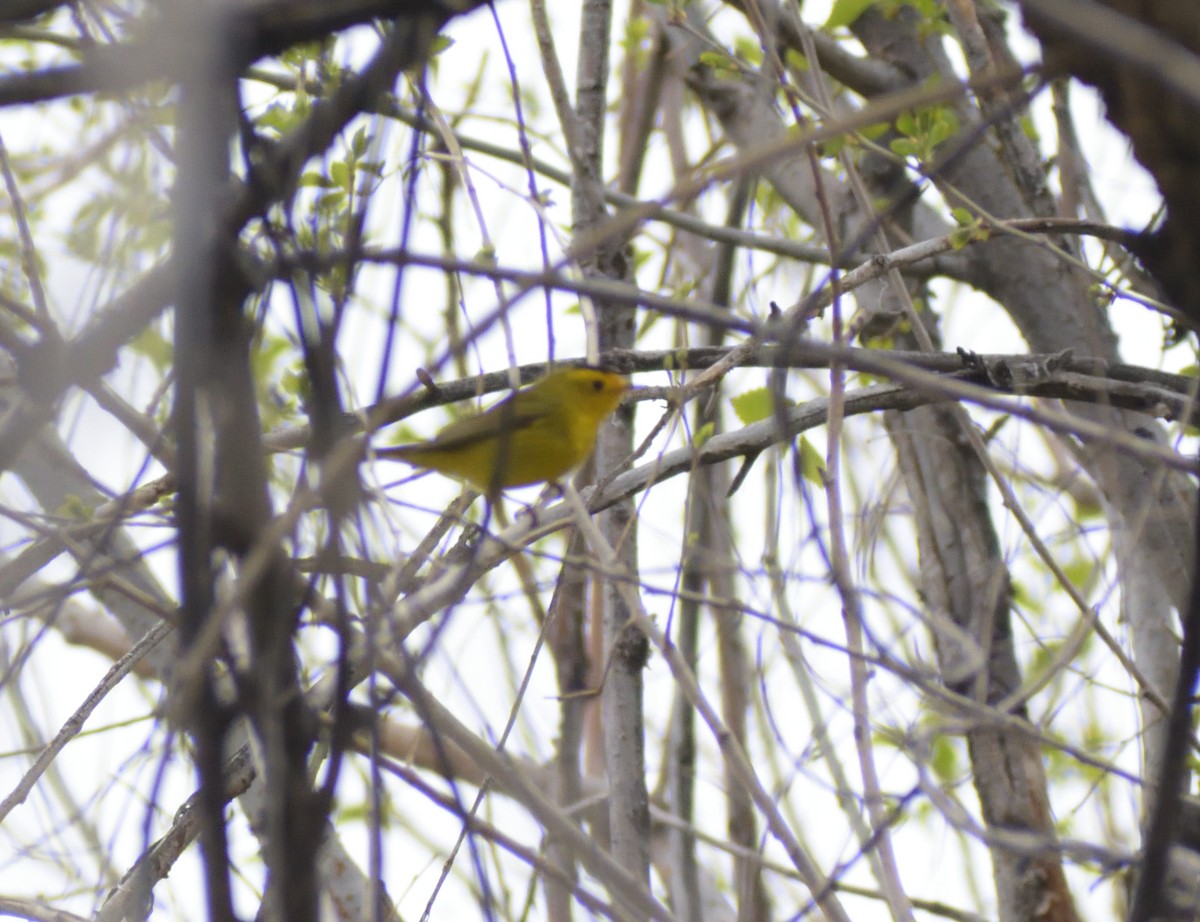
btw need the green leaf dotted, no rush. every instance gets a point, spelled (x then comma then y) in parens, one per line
(874, 131)
(331, 201)
(315, 179)
(1078, 571)
(970, 228)
(439, 44)
(753, 406)
(154, 346)
(963, 216)
(960, 238)
(339, 172)
(720, 62)
(703, 434)
(845, 12)
(1028, 127)
(812, 465)
(637, 31)
(359, 143)
(795, 60)
(943, 759)
(833, 146)
(748, 50)
(1087, 510)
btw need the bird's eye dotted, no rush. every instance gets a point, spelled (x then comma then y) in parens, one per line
(598, 385)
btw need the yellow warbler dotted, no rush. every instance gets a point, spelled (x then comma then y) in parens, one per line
(538, 433)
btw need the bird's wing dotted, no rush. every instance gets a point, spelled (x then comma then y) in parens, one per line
(489, 424)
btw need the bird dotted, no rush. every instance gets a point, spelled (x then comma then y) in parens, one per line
(534, 435)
